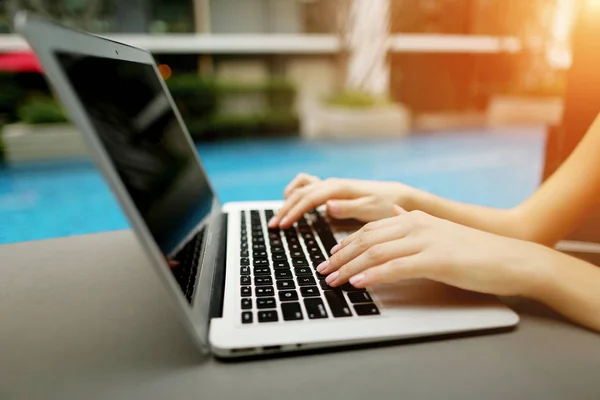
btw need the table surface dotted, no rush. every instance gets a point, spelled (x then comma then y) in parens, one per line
(85, 317)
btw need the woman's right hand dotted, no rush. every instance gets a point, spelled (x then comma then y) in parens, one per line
(365, 201)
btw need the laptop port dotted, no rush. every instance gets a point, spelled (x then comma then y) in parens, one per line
(272, 348)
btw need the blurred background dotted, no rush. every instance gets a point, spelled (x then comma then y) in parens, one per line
(476, 100)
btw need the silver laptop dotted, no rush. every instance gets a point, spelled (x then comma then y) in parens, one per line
(239, 288)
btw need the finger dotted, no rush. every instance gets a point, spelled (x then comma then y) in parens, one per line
(356, 208)
(374, 256)
(359, 246)
(299, 181)
(288, 204)
(397, 210)
(309, 201)
(410, 267)
(371, 226)
(318, 194)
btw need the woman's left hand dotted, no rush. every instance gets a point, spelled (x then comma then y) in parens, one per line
(417, 245)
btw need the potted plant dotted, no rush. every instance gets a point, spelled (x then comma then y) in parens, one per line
(359, 106)
(43, 133)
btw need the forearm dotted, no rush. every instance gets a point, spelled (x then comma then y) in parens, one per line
(571, 287)
(498, 221)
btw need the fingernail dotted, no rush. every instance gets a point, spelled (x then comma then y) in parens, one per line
(335, 248)
(332, 277)
(272, 222)
(333, 207)
(284, 221)
(357, 279)
(323, 265)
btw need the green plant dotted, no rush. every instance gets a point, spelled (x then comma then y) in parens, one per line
(221, 127)
(193, 95)
(11, 95)
(2, 148)
(41, 110)
(353, 99)
(199, 100)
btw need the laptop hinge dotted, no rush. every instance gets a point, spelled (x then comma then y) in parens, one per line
(218, 286)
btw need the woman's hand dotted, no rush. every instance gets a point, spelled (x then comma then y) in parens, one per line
(345, 198)
(417, 245)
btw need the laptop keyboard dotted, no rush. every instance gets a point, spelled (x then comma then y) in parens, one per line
(278, 277)
(185, 272)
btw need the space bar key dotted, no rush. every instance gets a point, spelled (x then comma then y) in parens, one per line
(337, 303)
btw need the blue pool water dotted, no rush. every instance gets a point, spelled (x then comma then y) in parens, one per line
(495, 168)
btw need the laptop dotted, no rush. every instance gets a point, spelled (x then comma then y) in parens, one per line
(239, 288)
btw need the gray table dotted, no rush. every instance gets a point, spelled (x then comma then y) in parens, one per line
(85, 317)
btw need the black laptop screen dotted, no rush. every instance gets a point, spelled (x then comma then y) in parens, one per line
(131, 113)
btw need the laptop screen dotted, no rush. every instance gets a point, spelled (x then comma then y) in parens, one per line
(133, 117)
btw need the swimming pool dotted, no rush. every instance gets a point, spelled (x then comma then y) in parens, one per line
(496, 168)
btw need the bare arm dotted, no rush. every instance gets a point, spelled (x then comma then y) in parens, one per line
(571, 287)
(549, 214)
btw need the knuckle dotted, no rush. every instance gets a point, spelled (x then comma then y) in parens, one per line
(375, 253)
(362, 242)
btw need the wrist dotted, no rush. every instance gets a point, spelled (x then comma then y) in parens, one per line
(542, 270)
(410, 198)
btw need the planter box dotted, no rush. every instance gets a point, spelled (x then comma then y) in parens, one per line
(321, 121)
(24, 142)
(524, 110)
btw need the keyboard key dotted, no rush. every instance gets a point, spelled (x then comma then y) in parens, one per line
(262, 271)
(317, 258)
(279, 257)
(359, 297)
(310, 243)
(292, 240)
(245, 291)
(245, 280)
(263, 281)
(347, 287)
(276, 242)
(260, 262)
(265, 302)
(366, 309)
(247, 317)
(244, 261)
(283, 274)
(258, 239)
(297, 262)
(277, 250)
(244, 245)
(308, 236)
(267, 316)
(264, 291)
(337, 304)
(313, 250)
(325, 286)
(295, 247)
(309, 291)
(291, 311)
(315, 308)
(244, 253)
(288, 295)
(262, 254)
(274, 235)
(297, 254)
(258, 247)
(286, 284)
(269, 214)
(306, 280)
(281, 265)
(302, 271)
(245, 271)
(246, 304)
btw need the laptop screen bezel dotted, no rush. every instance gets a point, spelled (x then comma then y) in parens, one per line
(46, 39)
